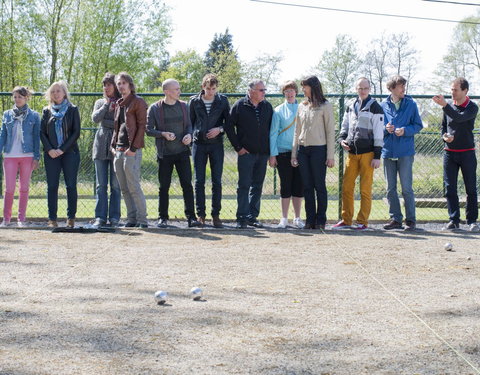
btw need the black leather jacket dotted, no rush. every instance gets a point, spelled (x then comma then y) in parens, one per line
(202, 122)
(71, 130)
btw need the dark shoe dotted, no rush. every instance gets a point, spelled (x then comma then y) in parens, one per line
(201, 220)
(162, 223)
(216, 222)
(130, 225)
(193, 223)
(98, 223)
(114, 223)
(393, 225)
(410, 225)
(141, 225)
(255, 223)
(451, 226)
(320, 226)
(241, 225)
(309, 226)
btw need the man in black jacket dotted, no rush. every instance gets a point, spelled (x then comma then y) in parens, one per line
(249, 133)
(457, 133)
(209, 113)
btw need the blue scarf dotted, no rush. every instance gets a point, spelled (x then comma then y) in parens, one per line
(58, 111)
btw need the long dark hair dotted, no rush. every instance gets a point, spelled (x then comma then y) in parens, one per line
(317, 97)
(110, 78)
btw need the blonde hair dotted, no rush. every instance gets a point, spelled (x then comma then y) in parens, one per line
(62, 85)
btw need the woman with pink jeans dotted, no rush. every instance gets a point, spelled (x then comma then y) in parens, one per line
(20, 144)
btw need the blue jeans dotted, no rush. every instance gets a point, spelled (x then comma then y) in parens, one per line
(69, 163)
(404, 168)
(103, 171)
(201, 154)
(251, 174)
(467, 163)
(311, 161)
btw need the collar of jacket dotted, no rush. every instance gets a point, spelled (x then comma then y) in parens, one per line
(125, 102)
(364, 102)
(249, 102)
(198, 96)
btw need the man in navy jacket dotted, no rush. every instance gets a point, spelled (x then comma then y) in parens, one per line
(457, 132)
(249, 133)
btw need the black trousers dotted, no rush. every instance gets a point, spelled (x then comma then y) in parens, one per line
(181, 162)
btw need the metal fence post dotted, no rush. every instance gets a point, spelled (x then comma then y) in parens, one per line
(341, 110)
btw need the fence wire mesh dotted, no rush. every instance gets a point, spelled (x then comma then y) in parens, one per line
(427, 182)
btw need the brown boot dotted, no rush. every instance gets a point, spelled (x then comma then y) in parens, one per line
(70, 223)
(201, 220)
(52, 224)
(216, 222)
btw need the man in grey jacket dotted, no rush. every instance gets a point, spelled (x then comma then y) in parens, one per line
(168, 121)
(362, 137)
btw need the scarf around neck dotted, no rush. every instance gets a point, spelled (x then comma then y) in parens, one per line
(58, 112)
(20, 113)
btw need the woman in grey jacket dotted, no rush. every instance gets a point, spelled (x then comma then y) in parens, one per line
(103, 114)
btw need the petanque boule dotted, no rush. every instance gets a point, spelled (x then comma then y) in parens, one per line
(161, 297)
(448, 246)
(196, 293)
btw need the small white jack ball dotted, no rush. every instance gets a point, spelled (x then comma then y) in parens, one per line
(196, 293)
(161, 297)
(448, 246)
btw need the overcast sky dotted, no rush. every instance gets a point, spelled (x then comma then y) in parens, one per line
(302, 34)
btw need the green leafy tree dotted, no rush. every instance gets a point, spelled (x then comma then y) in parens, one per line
(264, 67)
(188, 68)
(339, 65)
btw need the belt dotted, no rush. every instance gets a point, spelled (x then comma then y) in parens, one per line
(122, 149)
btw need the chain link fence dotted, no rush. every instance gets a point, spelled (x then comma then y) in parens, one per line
(428, 172)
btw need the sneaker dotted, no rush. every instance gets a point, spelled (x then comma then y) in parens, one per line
(162, 223)
(97, 223)
(298, 223)
(283, 223)
(52, 223)
(130, 225)
(341, 225)
(4, 224)
(359, 227)
(451, 226)
(410, 225)
(22, 224)
(393, 225)
(70, 223)
(114, 223)
(474, 227)
(241, 225)
(216, 222)
(193, 223)
(255, 223)
(141, 225)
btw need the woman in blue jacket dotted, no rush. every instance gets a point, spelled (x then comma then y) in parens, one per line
(20, 143)
(282, 131)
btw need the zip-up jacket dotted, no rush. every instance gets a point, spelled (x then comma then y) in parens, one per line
(30, 131)
(460, 121)
(71, 130)
(363, 131)
(247, 130)
(135, 121)
(282, 129)
(156, 124)
(406, 117)
(202, 121)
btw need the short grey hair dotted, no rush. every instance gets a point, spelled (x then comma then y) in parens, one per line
(254, 82)
(168, 82)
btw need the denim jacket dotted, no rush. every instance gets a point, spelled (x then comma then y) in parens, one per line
(31, 133)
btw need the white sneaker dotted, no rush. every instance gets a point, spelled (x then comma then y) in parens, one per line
(22, 224)
(298, 223)
(4, 224)
(283, 223)
(474, 227)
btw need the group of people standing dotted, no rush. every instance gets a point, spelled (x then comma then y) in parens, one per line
(296, 138)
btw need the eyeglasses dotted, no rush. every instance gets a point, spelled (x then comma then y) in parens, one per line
(261, 90)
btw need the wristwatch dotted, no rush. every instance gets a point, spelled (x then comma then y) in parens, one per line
(221, 129)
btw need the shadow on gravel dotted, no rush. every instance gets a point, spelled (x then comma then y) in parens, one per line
(470, 312)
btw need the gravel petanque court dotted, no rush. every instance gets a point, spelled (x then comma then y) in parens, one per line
(277, 302)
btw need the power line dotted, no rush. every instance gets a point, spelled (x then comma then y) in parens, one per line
(452, 2)
(364, 12)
